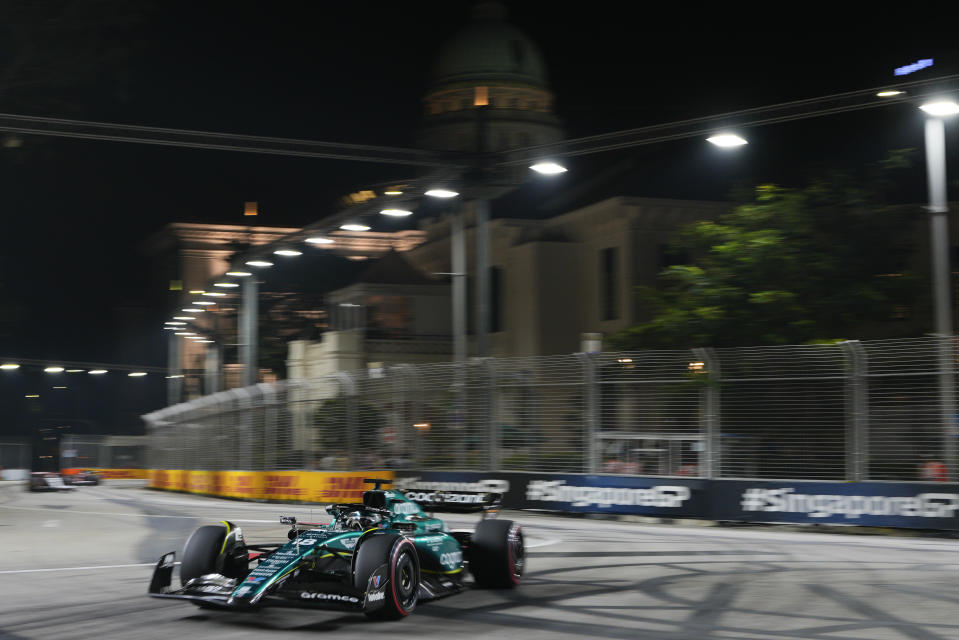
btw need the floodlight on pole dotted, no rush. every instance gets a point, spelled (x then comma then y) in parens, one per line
(935, 138)
(97, 372)
(9, 366)
(354, 226)
(259, 263)
(225, 285)
(289, 253)
(889, 93)
(727, 140)
(239, 274)
(319, 240)
(941, 108)
(396, 213)
(54, 370)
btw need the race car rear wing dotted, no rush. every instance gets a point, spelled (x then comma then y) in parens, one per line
(457, 501)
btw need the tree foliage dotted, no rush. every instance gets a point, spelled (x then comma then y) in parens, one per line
(831, 260)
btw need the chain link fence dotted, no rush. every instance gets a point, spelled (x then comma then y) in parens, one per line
(103, 452)
(879, 410)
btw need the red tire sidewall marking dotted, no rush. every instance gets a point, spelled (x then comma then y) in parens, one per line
(393, 560)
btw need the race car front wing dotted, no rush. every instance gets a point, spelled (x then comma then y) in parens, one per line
(217, 591)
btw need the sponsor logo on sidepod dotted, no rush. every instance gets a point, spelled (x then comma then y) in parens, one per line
(452, 559)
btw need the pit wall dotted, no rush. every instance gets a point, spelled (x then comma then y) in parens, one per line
(299, 486)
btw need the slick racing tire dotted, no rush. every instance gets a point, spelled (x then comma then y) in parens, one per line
(497, 554)
(200, 552)
(403, 573)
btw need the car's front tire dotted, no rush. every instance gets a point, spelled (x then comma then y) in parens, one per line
(497, 554)
(403, 573)
(200, 552)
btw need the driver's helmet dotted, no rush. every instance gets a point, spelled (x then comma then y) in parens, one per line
(357, 521)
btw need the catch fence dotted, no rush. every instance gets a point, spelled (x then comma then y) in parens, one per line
(876, 410)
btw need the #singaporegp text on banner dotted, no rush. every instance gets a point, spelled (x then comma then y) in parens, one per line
(870, 504)
(667, 497)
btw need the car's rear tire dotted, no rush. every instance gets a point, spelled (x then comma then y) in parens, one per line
(200, 552)
(497, 554)
(403, 573)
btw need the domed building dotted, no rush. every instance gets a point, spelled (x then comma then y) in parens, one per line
(490, 76)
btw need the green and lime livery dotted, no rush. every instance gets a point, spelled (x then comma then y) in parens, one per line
(380, 557)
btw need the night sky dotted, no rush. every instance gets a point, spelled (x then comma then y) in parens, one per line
(73, 274)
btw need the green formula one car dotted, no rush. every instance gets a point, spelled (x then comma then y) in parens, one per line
(380, 557)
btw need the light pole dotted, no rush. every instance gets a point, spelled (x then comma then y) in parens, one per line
(935, 134)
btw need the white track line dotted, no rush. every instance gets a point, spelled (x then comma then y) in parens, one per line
(103, 566)
(544, 543)
(129, 515)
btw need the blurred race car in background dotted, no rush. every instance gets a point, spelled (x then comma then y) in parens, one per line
(380, 557)
(47, 481)
(82, 477)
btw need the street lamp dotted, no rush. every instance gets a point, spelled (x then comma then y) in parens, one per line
(548, 168)
(727, 140)
(442, 193)
(935, 133)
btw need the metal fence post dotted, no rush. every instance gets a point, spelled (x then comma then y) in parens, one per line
(492, 423)
(711, 426)
(857, 411)
(591, 382)
(947, 404)
(268, 392)
(348, 385)
(408, 413)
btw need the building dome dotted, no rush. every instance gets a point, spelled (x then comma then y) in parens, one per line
(492, 51)
(491, 71)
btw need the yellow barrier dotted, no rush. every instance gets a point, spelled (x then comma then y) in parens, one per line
(298, 486)
(111, 474)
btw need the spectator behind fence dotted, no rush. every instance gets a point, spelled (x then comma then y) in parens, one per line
(933, 471)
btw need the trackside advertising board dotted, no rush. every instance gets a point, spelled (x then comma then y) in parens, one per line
(664, 497)
(867, 504)
(294, 486)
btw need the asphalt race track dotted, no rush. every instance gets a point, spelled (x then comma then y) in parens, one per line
(76, 565)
